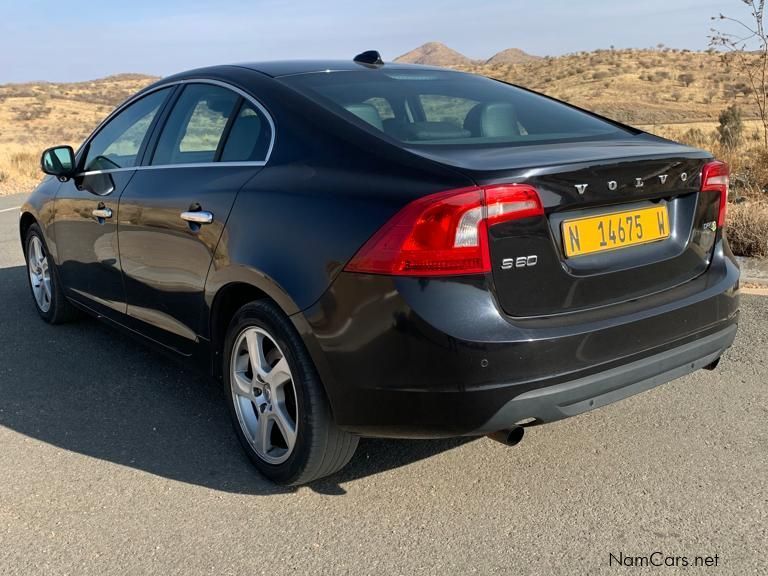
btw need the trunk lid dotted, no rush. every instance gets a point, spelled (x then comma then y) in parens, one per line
(645, 180)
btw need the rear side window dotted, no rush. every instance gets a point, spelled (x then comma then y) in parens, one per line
(426, 107)
(249, 138)
(196, 126)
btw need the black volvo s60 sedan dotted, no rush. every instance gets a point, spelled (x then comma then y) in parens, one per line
(364, 249)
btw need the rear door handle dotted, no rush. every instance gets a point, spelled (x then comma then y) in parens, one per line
(102, 213)
(198, 217)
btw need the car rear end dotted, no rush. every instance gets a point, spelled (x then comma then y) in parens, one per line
(584, 262)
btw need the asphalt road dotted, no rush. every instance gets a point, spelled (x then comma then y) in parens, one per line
(115, 460)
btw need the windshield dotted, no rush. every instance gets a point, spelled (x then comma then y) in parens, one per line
(444, 107)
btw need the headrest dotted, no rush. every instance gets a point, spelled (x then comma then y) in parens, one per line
(435, 131)
(366, 113)
(493, 119)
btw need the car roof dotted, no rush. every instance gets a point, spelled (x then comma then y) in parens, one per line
(290, 67)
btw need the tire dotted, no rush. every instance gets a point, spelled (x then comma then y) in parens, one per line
(273, 415)
(52, 306)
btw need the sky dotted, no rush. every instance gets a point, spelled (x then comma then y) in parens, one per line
(73, 40)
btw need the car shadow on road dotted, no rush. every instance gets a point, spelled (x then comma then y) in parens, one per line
(87, 388)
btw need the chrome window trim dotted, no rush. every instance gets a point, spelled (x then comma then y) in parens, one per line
(141, 95)
(191, 165)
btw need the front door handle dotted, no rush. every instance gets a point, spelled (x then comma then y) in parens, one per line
(102, 213)
(198, 217)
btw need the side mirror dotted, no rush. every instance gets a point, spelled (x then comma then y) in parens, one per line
(59, 161)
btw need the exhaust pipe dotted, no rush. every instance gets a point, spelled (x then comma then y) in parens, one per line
(509, 437)
(713, 365)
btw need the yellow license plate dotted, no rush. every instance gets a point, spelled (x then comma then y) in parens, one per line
(616, 230)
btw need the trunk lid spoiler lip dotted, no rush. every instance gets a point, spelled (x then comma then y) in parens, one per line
(552, 158)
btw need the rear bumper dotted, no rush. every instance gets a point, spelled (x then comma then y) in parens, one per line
(417, 358)
(571, 398)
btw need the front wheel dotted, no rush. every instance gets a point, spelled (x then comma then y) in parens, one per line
(51, 304)
(278, 405)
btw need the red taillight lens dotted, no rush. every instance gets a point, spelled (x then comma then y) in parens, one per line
(445, 234)
(715, 178)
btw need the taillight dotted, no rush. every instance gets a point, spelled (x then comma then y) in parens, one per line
(445, 234)
(715, 178)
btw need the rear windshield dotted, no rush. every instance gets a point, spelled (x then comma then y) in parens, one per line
(439, 108)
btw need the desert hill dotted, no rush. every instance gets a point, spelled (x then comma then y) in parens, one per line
(511, 56)
(434, 54)
(438, 54)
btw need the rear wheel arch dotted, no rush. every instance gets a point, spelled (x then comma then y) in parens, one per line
(229, 299)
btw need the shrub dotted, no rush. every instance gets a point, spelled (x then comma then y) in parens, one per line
(686, 79)
(731, 127)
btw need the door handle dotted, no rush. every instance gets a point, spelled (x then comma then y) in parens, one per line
(198, 217)
(102, 213)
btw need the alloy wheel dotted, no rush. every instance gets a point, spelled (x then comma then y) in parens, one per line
(264, 395)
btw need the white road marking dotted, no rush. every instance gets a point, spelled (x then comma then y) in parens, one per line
(9, 209)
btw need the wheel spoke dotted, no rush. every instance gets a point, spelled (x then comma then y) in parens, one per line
(38, 248)
(279, 374)
(259, 364)
(286, 425)
(263, 443)
(243, 386)
(34, 267)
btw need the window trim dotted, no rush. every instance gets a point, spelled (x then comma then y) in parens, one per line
(168, 107)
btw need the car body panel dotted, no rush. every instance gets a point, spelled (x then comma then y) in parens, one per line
(88, 257)
(436, 357)
(165, 260)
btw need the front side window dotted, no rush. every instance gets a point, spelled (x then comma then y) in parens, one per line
(118, 143)
(434, 107)
(196, 126)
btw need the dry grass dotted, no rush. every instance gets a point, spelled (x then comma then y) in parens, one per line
(748, 228)
(19, 168)
(635, 86)
(36, 116)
